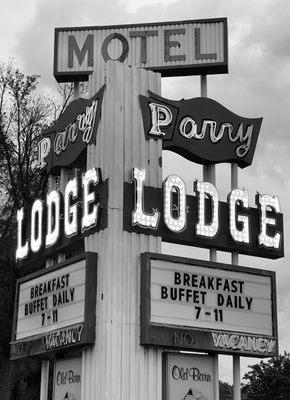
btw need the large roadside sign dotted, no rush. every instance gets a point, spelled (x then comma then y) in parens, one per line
(176, 48)
(207, 306)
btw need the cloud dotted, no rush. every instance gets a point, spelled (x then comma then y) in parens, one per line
(35, 44)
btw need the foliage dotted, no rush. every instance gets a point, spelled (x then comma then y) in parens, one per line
(23, 115)
(269, 380)
(226, 391)
(28, 387)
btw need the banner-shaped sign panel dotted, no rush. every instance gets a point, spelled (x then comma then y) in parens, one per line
(54, 307)
(187, 377)
(201, 305)
(194, 47)
(64, 143)
(200, 129)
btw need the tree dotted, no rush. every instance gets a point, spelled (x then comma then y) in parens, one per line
(269, 380)
(226, 391)
(23, 116)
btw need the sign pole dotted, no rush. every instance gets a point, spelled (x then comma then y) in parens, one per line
(209, 176)
(45, 363)
(235, 261)
(44, 380)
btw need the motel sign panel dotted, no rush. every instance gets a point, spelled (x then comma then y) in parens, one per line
(173, 48)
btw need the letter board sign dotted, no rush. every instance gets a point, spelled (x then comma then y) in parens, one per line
(187, 376)
(176, 48)
(201, 305)
(54, 307)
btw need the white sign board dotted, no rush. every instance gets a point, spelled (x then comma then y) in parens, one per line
(210, 298)
(52, 301)
(189, 377)
(176, 48)
(67, 379)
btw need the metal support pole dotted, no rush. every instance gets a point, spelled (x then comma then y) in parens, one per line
(76, 90)
(236, 378)
(44, 380)
(235, 261)
(45, 364)
(209, 176)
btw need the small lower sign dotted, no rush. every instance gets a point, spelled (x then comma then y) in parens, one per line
(188, 377)
(67, 379)
(55, 308)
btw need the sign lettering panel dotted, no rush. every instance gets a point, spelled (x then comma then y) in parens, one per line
(173, 48)
(67, 379)
(200, 129)
(52, 301)
(203, 298)
(211, 297)
(188, 377)
(55, 307)
(64, 143)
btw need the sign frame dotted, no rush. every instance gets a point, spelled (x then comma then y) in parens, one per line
(191, 338)
(77, 359)
(35, 345)
(166, 71)
(165, 365)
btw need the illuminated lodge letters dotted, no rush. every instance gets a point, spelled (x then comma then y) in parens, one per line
(171, 184)
(265, 202)
(239, 196)
(203, 220)
(49, 214)
(204, 189)
(22, 249)
(53, 200)
(139, 217)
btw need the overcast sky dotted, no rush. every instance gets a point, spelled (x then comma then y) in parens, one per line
(258, 84)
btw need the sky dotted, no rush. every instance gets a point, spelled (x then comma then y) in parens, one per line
(257, 85)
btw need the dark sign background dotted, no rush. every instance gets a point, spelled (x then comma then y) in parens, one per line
(66, 244)
(74, 156)
(222, 241)
(201, 151)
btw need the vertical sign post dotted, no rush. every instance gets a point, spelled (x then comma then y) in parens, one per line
(117, 366)
(235, 261)
(209, 176)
